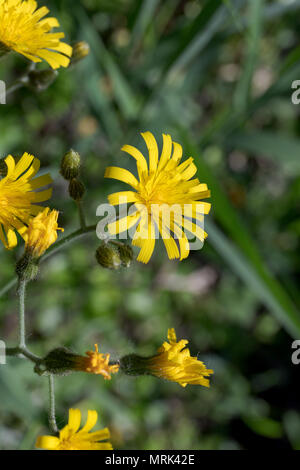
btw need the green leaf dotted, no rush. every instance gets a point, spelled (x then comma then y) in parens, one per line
(264, 426)
(282, 149)
(241, 253)
(268, 290)
(145, 16)
(243, 90)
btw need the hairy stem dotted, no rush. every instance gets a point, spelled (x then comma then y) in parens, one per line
(81, 214)
(21, 292)
(23, 352)
(51, 416)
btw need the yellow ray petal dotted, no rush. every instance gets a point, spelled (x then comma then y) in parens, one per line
(152, 149)
(139, 157)
(121, 175)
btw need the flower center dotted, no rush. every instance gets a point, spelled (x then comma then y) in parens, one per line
(164, 188)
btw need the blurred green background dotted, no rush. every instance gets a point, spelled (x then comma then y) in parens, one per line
(217, 76)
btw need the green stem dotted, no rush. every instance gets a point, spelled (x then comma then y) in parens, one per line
(52, 419)
(21, 292)
(53, 249)
(14, 87)
(23, 352)
(81, 215)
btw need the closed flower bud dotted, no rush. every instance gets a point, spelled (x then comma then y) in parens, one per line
(3, 167)
(70, 165)
(108, 257)
(126, 254)
(40, 80)
(80, 50)
(76, 189)
(27, 268)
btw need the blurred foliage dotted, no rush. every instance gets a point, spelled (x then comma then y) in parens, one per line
(217, 76)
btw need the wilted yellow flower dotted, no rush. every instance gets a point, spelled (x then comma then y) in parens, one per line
(24, 29)
(42, 232)
(70, 438)
(175, 363)
(166, 199)
(17, 197)
(96, 363)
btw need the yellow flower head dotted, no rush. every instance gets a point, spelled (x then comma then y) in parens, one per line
(42, 232)
(166, 199)
(24, 29)
(175, 363)
(70, 438)
(96, 363)
(17, 197)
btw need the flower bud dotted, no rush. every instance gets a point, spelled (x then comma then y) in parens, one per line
(70, 165)
(81, 50)
(27, 268)
(40, 80)
(126, 254)
(76, 189)
(108, 257)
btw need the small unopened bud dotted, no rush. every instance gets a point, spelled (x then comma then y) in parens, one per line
(70, 165)
(81, 50)
(40, 80)
(3, 167)
(27, 268)
(108, 257)
(76, 189)
(126, 254)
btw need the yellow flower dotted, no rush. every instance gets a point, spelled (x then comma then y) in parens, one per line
(42, 232)
(70, 438)
(166, 199)
(174, 362)
(17, 196)
(24, 29)
(96, 363)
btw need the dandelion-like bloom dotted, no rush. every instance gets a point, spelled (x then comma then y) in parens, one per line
(175, 363)
(18, 197)
(24, 29)
(166, 199)
(96, 363)
(42, 232)
(70, 438)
